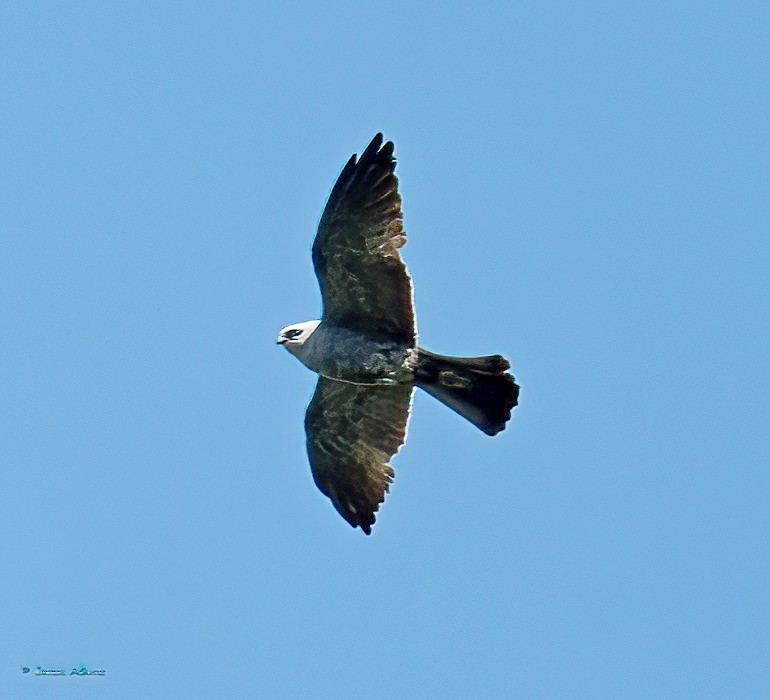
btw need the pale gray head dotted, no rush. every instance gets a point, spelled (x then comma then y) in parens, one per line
(293, 337)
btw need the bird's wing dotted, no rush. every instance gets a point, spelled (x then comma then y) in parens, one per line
(352, 433)
(364, 283)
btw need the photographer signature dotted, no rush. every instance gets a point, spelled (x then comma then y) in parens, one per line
(76, 671)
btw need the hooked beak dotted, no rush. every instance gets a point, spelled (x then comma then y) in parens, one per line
(281, 341)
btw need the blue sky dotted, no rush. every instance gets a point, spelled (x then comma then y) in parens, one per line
(585, 190)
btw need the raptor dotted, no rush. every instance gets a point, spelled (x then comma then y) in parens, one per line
(364, 348)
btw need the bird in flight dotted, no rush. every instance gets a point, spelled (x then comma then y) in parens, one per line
(365, 349)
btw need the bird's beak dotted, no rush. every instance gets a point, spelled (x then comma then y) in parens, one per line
(281, 341)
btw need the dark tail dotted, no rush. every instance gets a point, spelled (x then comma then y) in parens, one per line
(478, 388)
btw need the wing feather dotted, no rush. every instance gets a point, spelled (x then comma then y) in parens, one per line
(352, 433)
(364, 283)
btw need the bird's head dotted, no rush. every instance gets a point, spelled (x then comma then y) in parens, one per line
(294, 337)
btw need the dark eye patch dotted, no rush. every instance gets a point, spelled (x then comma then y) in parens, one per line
(293, 333)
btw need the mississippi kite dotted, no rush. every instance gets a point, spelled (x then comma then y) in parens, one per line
(365, 346)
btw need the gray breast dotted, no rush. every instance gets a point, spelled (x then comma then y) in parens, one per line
(340, 353)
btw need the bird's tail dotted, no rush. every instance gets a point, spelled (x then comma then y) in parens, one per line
(478, 388)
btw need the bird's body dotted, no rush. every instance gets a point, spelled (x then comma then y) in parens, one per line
(350, 356)
(364, 348)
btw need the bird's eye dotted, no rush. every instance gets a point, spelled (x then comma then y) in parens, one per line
(293, 333)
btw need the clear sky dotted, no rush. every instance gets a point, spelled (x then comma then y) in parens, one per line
(585, 190)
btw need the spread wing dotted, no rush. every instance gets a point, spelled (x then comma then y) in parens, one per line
(364, 283)
(352, 432)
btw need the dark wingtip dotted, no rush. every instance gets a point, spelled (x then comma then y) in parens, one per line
(371, 150)
(348, 170)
